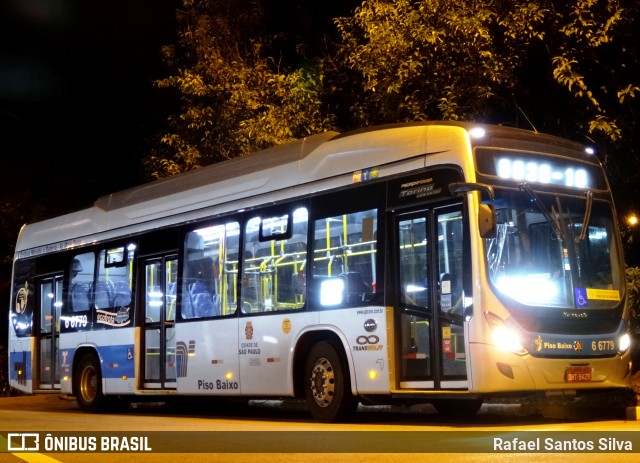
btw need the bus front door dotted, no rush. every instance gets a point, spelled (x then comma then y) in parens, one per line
(159, 362)
(50, 295)
(431, 252)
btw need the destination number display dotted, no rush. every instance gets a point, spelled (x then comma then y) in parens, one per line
(538, 168)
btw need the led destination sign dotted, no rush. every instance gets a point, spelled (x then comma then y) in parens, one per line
(532, 171)
(536, 168)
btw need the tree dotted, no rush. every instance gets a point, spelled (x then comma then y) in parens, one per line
(235, 99)
(453, 59)
(633, 290)
(501, 61)
(565, 68)
(416, 60)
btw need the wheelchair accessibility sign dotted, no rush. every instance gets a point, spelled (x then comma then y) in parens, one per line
(581, 297)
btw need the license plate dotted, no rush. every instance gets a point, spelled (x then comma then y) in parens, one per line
(578, 375)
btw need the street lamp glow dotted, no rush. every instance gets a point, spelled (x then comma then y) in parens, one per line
(632, 220)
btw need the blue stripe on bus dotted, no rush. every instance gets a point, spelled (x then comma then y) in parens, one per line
(20, 366)
(117, 361)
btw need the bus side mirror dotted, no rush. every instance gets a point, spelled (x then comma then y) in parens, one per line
(486, 212)
(487, 221)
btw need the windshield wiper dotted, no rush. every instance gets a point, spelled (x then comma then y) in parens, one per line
(552, 220)
(587, 216)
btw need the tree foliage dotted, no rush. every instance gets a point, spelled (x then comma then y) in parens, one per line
(234, 99)
(633, 293)
(566, 68)
(453, 59)
(430, 59)
(633, 288)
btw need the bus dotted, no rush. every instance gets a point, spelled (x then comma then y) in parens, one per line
(435, 262)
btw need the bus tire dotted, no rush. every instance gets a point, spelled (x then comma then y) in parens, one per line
(88, 385)
(327, 385)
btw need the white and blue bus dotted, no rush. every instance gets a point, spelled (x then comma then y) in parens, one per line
(434, 262)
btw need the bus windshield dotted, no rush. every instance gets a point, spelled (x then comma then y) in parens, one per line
(554, 251)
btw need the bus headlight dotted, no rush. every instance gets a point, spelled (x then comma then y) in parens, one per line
(624, 343)
(503, 337)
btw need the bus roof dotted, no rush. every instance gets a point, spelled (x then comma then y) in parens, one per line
(314, 158)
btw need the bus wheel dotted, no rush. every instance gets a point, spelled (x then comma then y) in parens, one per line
(327, 385)
(88, 384)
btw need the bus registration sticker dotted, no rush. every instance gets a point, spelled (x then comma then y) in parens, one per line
(578, 375)
(603, 294)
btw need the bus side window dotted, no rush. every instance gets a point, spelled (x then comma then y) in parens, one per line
(210, 272)
(112, 288)
(121, 294)
(203, 303)
(274, 262)
(357, 291)
(81, 280)
(344, 258)
(198, 295)
(103, 295)
(80, 296)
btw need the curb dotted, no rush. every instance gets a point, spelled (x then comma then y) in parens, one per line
(633, 413)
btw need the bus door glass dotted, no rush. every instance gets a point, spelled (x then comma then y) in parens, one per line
(451, 301)
(159, 323)
(430, 284)
(50, 289)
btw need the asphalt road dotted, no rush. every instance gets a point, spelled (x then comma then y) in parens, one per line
(274, 431)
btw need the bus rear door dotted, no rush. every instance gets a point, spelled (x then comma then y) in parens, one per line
(48, 332)
(159, 323)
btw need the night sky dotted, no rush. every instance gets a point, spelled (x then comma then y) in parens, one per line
(77, 103)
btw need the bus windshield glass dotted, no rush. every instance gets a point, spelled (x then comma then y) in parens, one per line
(554, 251)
